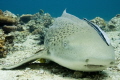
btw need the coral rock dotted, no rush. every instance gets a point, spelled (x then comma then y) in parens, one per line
(25, 18)
(100, 22)
(8, 13)
(2, 44)
(45, 19)
(1, 13)
(9, 28)
(6, 20)
(114, 23)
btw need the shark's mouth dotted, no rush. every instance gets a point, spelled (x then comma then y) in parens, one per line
(94, 66)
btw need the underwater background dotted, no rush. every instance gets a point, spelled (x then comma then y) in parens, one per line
(25, 31)
(82, 8)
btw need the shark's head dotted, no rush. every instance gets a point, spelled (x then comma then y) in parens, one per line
(90, 50)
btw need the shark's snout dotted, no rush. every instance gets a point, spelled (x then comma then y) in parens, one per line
(92, 63)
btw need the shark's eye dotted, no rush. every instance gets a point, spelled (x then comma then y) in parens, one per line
(65, 44)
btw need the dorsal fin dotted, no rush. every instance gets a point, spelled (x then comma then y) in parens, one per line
(71, 17)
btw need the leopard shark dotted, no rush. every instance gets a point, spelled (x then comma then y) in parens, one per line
(75, 43)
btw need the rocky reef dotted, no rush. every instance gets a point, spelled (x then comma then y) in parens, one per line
(16, 30)
(7, 19)
(114, 23)
(2, 44)
(25, 18)
(100, 22)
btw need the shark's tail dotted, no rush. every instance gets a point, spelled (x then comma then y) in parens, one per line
(41, 54)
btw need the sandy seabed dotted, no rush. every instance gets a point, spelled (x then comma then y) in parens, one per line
(52, 71)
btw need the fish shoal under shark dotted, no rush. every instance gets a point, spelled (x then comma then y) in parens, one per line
(75, 43)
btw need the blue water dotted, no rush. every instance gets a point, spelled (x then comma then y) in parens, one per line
(80, 8)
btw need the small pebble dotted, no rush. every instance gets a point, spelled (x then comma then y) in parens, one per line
(118, 66)
(28, 68)
(77, 74)
(41, 71)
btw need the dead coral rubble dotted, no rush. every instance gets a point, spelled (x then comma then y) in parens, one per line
(8, 29)
(100, 22)
(25, 18)
(1, 13)
(6, 20)
(45, 19)
(2, 44)
(26, 25)
(10, 14)
(5, 40)
(114, 23)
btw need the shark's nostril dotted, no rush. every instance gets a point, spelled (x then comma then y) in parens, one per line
(111, 63)
(86, 60)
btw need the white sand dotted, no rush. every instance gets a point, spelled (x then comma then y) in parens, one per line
(44, 71)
